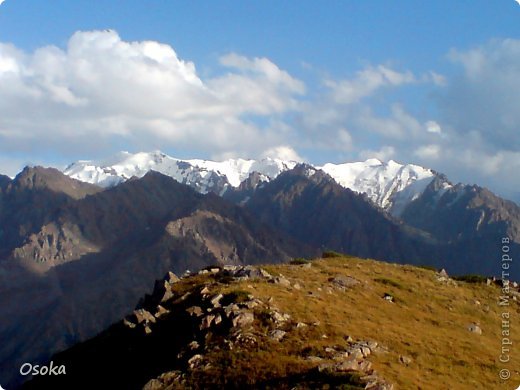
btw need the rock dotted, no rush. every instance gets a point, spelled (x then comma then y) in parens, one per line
(231, 310)
(443, 273)
(203, 272)
(343, 281)
(194, 311)
(207, 321)
(280, 317)
(204, 291)
(405, 360)
(277, 334)
(388, 297)
(301, 325)
(217, 320)
(313, 359)
(365, 351)
(160, 311)
(281, 280)
(355, 354)
(354, 365)
(297, 286)
(128, 324)
(246, 339)
(474, 328)
(195, 361)
(193, 345)
(252, 304)
(147, 329)
(243, 319)
(215, 301)
(142, 315)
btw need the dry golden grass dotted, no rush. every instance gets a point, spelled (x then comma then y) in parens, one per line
(428, 322)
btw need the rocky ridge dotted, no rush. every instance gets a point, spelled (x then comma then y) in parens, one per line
(310, 324)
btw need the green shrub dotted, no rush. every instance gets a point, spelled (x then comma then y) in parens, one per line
(236, 296)
(470, 278)
(299, 261)
(329, 254)
(428, 267)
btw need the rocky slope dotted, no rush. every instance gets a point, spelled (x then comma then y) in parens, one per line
(310, 206)
(332, 323)
(108, 246)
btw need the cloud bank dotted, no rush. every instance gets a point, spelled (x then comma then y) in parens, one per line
(100, 94)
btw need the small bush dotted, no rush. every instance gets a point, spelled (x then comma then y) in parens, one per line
(470, 278)
(329, 254)
(388, 282)
(299, 261)
(428, 267)
(236, 296)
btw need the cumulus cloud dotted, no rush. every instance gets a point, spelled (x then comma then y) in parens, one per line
(433, 127)
(101, 89)
(428, 152)
(485, 94)
(366, 83)
(282, 152)
(384, 154)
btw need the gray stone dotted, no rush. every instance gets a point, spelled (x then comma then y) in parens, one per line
(475, 328)
(243, 319)
(405, 360)
(343, 281)
(194, 311)
(215, 301)
(195, 360)
(207, 321)
(277, 334)
(142, 315)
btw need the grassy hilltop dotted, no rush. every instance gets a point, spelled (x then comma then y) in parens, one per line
(302, 326)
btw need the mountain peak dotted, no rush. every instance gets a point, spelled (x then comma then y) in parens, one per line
(38, 177)
(389, 185)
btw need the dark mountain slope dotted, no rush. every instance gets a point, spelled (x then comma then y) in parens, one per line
(471, 222)
(32, 199)
(311, 207)
(109, 247)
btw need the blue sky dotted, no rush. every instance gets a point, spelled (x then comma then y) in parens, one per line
(432, 83)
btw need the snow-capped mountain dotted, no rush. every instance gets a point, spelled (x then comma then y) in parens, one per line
(389, 185)
(202, 175)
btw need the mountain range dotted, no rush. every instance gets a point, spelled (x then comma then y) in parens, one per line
(105, 231)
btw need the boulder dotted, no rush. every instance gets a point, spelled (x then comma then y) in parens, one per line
(343, 281)
(474, 328)
(277, 334)
(243, 319)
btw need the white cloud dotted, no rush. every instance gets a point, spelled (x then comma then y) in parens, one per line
(102, 91)
(283, 152)
(433, 127)
(383, 154)
(428, 152)
(366, 83)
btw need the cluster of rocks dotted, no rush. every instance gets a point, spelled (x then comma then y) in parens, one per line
(353, 357)
(233, 315)
(443, 277)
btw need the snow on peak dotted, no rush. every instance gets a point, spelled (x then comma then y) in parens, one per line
(203, 175)
(390, 185)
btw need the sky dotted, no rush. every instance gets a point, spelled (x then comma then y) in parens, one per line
(431, 83)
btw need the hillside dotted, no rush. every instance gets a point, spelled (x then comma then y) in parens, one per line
(305, 325)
